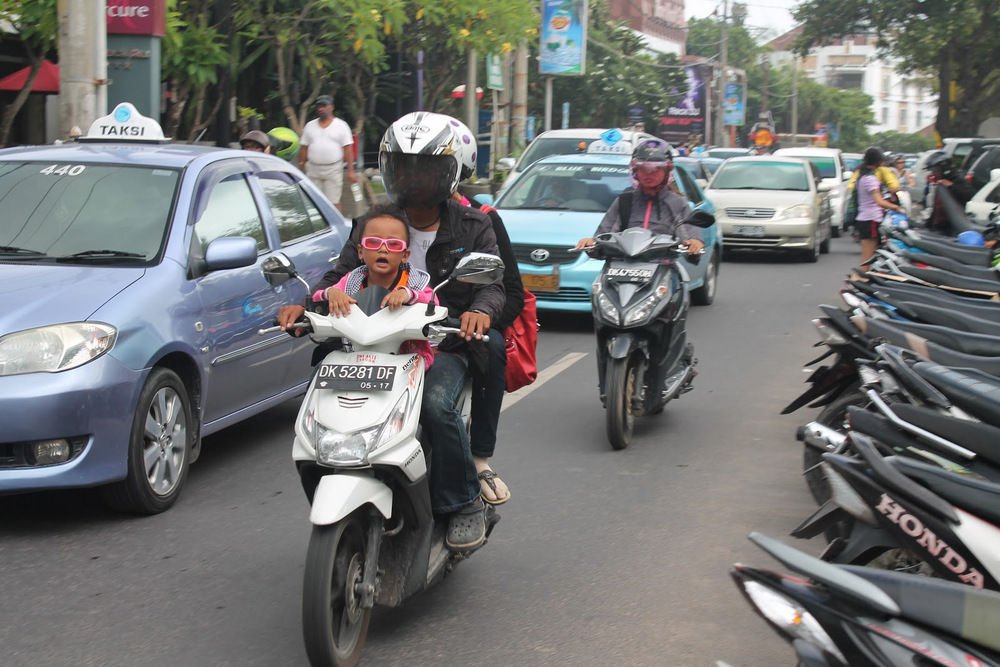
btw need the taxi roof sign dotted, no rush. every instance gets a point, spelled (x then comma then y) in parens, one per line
(125, 123)
(621, 147)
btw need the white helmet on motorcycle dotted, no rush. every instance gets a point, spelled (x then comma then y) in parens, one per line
(420, 160)
(468, 146)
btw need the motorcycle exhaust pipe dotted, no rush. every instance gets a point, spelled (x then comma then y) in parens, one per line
(821, 437)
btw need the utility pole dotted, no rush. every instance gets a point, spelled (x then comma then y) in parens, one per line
(83, 63)
(720, 133)
(519, 98)
(795, 101)
(470, 106)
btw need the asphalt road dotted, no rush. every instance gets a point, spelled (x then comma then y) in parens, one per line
(601, 558)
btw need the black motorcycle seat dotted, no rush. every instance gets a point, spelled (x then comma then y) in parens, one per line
(972, 495)
(888, 290)
(970, 343)
(956, 609)
(879, 428)
(885, 330)
(983, 439)
(952, 280)
(954, 318)
(953, 265)
(963, 253)
(970, 389)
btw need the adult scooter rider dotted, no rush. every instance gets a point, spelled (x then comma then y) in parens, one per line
(652, 205)
(419, 158)
(944, 175)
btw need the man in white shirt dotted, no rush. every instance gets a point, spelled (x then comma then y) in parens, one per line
(326, 145)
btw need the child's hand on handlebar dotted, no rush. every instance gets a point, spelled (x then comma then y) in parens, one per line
(474, 324)
(396, 298)
(340, 302)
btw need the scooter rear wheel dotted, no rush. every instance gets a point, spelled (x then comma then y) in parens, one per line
(334, 625)
(621, 389)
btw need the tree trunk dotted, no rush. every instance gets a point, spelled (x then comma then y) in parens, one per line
(178, 104)
(943, 121)
(22, 96)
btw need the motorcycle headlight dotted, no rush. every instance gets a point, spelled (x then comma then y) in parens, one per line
(607, 308)
(54, 348)
(648, 306)
(800, 211)
(334, 448)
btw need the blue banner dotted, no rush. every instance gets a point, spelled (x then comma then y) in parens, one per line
(563, 48)
(734, 108)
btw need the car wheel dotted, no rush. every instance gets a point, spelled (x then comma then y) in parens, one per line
(812, 255)
(705, 295)
(163, 432)
(835, 231)
(824, 247)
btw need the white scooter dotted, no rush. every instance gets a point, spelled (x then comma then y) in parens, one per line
(357, 449)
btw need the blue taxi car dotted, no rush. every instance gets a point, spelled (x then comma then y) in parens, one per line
(135, 281)
(542, 231)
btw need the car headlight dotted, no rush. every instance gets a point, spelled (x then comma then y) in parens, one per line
(54, 348)
(334, 448)
(800, 211)
(645, 308)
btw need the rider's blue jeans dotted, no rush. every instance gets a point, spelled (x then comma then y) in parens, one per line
(453, 481)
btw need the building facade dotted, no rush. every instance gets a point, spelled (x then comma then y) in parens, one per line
(900, 102)
(660, 22)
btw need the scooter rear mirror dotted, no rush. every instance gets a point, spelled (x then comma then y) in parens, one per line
(479, 269)
(700, 219)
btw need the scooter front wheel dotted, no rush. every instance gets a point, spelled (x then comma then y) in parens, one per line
(621, 388)
(334, 624)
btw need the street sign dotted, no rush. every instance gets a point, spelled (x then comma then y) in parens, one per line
(494, 71)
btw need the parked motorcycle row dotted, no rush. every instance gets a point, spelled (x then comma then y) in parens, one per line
(904, 461)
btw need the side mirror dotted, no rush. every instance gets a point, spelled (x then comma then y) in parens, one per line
(824, 187)
(700, 218)
(847, 175)
(505, 163)
(479, 269)
(230, 252)
(484, 199)
(278, 268)
(994, 174)
(702, 183)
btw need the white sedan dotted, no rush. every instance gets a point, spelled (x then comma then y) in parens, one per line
(986, 200)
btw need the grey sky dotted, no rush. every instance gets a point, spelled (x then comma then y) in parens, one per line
(766, 18)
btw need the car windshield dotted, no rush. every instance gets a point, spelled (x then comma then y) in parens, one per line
(851, 163)
(84, 212)
(573, 187)
(712, 164)
(545, 147)
(754, 175)
(726, 153)
(826, 166)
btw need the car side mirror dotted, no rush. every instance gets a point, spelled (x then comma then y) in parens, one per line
(505, 163)
(486, 199)
(824, 187)
(994, 174)
(847, 175)
(230, 252)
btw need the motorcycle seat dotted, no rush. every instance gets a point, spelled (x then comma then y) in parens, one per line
(970, 343)
(956, 609)
(966, 254)
(886, 331)
(951, 280)
(983, 439)
(956, 317)
(968, 388)
(972, 495)
(884, 431)
(891, 291)
(949, 264)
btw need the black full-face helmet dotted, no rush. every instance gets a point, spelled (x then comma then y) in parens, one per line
(938, 160)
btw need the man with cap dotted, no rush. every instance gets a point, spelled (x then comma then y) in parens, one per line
(327, 144)
(256, 141)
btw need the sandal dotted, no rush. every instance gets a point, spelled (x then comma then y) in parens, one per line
(486, 481)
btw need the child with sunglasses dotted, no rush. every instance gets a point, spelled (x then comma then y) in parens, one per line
(383, 251)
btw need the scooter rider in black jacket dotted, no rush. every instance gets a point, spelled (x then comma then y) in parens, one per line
(420, 165)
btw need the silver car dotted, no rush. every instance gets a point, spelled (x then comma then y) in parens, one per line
(772, 203)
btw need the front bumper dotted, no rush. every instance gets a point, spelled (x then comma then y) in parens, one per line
(92, 404)
(790, 233)
(575, 285)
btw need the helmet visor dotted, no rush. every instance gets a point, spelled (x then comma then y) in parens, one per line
(418, 181)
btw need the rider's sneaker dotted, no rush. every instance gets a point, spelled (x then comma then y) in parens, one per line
(467, 527)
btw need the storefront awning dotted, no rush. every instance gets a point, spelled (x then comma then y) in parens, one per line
(47, 80)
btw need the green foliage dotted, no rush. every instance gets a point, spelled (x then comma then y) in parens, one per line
(955, 40)
(193, 48)
(620, 74)
(900, 142)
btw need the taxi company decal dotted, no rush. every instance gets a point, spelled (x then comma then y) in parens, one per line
(931, 543)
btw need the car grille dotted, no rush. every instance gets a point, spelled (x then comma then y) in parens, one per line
(557, 254)
(750, 213)
(566, 295)
(751, 241)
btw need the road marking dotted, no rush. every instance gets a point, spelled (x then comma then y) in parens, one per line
(543, 377)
